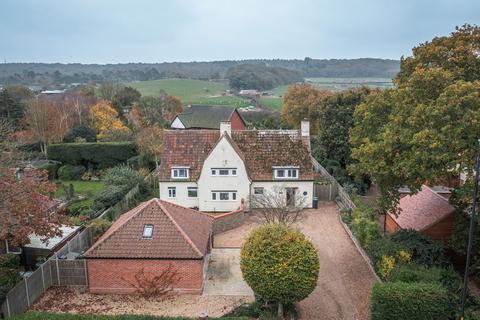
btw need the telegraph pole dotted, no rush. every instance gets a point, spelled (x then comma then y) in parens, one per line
(471, 233)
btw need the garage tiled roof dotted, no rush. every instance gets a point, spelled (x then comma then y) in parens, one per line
(261, 151)
(178, 233)
(422, 210)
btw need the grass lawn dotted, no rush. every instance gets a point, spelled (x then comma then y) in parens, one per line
(70, 316)
(272, 103)
(83, 188)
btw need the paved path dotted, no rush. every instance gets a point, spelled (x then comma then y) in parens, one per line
(224, 277)
(345, 280)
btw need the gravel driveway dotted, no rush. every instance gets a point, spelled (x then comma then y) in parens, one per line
(345, 280)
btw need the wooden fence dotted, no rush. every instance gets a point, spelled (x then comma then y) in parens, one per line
(331, 189)
(56, 271)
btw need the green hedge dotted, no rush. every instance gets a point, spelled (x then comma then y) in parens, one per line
(51, 167)
(416, 273)
(9, 260)
(99, 155)
(70, 172)
(412, 301)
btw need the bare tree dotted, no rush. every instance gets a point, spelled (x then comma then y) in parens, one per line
(280, 205)
(154, 286)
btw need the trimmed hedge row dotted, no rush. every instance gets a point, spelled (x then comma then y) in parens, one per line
(413, 301)
(100, 155)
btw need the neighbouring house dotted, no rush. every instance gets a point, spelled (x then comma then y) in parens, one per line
(249, 93)
(213, 170)
(428, 212)
(208, 117)
(151, 238)
(39, 249)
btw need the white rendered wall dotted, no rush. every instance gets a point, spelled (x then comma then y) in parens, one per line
(177, 124)
(303, 186)
(182, 195)
(223, 156)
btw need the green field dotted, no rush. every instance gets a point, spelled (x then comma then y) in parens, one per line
(194, 91)
(210, 92)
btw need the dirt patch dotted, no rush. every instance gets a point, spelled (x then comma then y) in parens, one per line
(76, 301)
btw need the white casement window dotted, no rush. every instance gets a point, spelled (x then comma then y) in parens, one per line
(258, 190)
(180, 173)
(147, 231)
(172, 192)
(224, 172)
(192, 192)
(224, 195)
(286, 173)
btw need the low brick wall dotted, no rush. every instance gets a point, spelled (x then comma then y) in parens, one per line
(115, 275)
(228, 221)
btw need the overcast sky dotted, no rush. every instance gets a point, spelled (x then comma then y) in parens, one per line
(112, 31)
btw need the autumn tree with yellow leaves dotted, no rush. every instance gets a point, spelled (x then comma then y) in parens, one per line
(107, 123)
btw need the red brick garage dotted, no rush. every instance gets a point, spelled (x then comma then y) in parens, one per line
(155, 235)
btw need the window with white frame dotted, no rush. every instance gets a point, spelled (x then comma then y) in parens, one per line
(226, 195)
(147, 231)
(286, 173)
(224, 172)
(192, 192)
(180, 173)
(172, 192)
(258, 190)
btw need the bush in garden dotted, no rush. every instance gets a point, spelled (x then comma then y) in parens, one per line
(108, 197)
(122, 176)
(383, 247)
(366, 231)
(83, 132)
(100, 226)
(78, 207)
(9, 260)
(51, 167)
(413, 301)
(279, 264)
(69, 172)
(424, 250)
(416, 273)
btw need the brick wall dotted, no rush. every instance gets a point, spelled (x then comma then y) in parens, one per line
(114, 275)
(228, 221)
(236, 122)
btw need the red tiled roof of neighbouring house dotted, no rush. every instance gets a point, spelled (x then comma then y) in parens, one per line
(178, 233)
(422, 210)
(260, 150)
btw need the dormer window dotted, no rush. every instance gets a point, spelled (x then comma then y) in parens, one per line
(180, 173)
(147, 231)
(285, 173)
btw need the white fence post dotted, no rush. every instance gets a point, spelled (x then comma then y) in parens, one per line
(58, 271)
(86, 273)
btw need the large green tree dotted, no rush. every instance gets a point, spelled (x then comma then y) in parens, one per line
(425, 128)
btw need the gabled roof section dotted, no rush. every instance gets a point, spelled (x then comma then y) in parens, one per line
(260, 151)
(422, 210)
(178, 233)
(206, 117)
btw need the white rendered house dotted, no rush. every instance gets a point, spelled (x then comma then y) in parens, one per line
(214, 170)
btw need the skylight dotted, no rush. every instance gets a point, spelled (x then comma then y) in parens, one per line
(148, 231)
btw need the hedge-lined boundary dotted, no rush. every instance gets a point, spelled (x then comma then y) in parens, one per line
(360, 249)
(99, 155)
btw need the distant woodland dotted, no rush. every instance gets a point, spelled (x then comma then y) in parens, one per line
(51, 74)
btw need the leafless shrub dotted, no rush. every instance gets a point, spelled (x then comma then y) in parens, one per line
(150, 287)
(277, 207)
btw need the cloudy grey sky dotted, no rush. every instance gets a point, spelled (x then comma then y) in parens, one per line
(111, 31)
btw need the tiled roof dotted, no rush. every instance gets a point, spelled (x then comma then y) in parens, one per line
(206, 117)
(178, 232)
(261, 151)
(422, 210)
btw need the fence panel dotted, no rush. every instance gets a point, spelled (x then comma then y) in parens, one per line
(72, 272)
(17, 299)
(35, 285)
(4, 309)
(47, 274)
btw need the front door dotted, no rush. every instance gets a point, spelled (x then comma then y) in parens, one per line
(290, 192)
